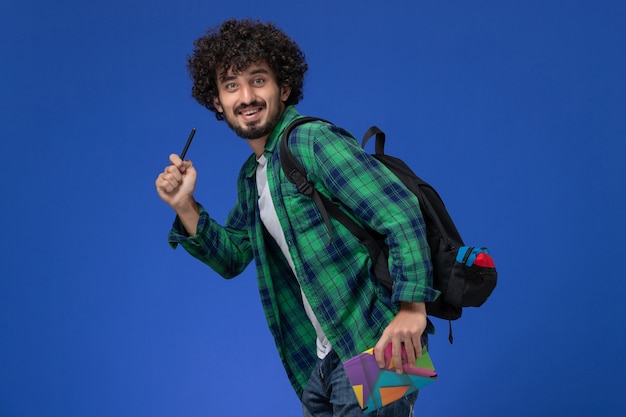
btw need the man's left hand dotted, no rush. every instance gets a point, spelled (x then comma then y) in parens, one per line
(405, 329)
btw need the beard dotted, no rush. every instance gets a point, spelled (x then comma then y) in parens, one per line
(254, 130)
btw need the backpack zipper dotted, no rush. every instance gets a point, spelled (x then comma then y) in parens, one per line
(467, 254)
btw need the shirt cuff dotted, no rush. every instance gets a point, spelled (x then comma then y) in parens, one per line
(178, 234)
(414, 293)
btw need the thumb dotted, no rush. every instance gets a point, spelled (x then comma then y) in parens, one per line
(177, 162)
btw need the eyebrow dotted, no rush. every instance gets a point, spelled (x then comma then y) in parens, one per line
(257, 71)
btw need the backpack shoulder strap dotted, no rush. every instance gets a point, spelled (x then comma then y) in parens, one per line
(295, 173)
(379, 145)
(292, 168)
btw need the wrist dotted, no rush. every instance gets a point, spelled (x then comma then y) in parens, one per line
(186, 207)
(407, 306)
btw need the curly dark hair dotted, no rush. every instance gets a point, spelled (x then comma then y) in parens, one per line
(237, 44)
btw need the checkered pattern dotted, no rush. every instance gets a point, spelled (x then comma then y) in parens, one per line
(352, 309)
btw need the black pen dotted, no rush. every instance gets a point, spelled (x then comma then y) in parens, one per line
(184, 152)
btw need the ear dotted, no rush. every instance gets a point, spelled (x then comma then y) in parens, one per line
(218, 106)
(285, 91)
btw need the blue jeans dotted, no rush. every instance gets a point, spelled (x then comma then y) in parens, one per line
(328, 393)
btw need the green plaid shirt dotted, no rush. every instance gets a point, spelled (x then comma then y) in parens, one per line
(352, 309)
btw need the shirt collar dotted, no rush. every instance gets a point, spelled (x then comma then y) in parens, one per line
(289, 115)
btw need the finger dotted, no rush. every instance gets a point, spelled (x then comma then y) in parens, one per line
(396, 354)
(417, 350)
(411, 355)
(168, 182)
(171, 178)
(164, 185)
(173, 171)
(187, 164)
(379, 352)
(417, 344)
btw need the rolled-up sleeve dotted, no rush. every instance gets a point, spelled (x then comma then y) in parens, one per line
(226, 249)
(378, 199)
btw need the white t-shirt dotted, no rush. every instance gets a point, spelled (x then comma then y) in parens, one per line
(270, 220)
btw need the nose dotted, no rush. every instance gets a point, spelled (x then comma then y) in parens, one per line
(247, 94)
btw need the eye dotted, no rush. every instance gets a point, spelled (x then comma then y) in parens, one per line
(231, 86)
(258, 81)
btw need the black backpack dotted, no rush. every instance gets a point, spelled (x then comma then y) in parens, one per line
(465, 275)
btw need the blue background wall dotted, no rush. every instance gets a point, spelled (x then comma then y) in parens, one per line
(513, 110)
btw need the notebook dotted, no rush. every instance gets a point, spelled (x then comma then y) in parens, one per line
(376, 387)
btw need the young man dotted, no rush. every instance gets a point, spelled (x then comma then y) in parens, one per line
(320, 299)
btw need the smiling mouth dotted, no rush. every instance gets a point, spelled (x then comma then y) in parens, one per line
(251, 111)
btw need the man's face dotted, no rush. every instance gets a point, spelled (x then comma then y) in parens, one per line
(251, 101)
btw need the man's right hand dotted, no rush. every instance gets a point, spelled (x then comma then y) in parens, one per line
(176, 185)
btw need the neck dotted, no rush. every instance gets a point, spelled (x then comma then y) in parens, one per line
(258, 145)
